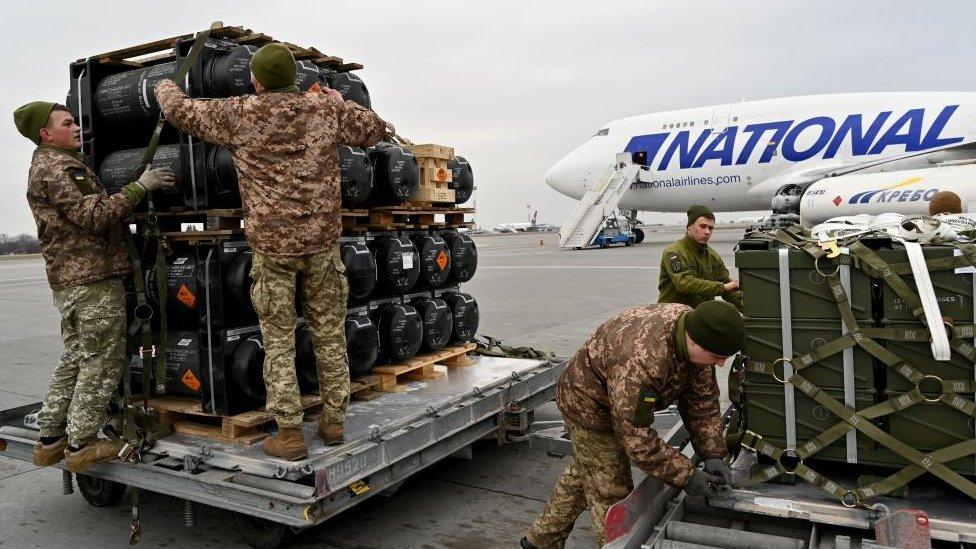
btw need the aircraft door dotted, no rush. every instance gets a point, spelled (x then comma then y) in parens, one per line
(720, 118)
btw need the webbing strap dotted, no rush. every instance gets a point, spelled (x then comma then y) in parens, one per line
(786, 320)
(848, 363)
(930, 303)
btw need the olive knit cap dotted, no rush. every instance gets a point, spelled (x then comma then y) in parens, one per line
(717, 327)
(274, 66)
(31, 117)
(697, 211)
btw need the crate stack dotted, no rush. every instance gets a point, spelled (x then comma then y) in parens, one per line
(791, 312)
(404, 254)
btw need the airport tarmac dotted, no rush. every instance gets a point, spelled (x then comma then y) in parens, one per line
(529, 293)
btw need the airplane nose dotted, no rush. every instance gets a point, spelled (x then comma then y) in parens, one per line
(562, 180)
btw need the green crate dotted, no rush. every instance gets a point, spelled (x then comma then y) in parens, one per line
(810, 295)
(953, 291)
(766, 416)
(929, 426)
(764, 342)
(919, 355)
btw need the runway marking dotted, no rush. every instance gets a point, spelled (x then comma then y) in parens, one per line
(612, 267)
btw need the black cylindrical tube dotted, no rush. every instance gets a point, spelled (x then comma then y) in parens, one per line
(465, 312)
(308, 378)
(437, 320)
(462, 179)
(362, 343)
(396, 263)
(360, 269)
(401, 332)
(356, 176)
(464, 256)
(396, 174)
(246, 369)
(435, 260)
(238, 279)
(307, 74)
(229, 73)
(351, 87)
(128, 97)
(118, 168)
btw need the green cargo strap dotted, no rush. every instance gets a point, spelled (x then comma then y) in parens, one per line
(152, 227)
(879, 267)
(489, 346)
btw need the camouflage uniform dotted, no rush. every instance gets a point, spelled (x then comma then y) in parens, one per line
(286, 150)
(632, 365)
(692, 273)
(80, 231)
(324, 294)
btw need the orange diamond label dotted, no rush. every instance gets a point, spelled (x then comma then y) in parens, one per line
(442, 260)
(186, 297)
(190, 380)
(441, 174)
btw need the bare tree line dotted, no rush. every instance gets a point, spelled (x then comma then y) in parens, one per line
(18, 244)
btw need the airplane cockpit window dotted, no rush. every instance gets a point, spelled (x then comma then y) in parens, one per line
(639, 158)
(604, 131)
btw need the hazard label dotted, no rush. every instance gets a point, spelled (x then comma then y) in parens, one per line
(441, 174)
(186, 297)
(190, 380)
(442, 260)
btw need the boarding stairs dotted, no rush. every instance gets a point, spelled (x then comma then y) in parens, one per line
(598, 204)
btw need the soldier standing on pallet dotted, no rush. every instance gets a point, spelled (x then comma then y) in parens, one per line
(285, 148)
(80, 231)
(642, 360)
(691, 271)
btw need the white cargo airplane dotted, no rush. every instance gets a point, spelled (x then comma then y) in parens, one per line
(740, 156)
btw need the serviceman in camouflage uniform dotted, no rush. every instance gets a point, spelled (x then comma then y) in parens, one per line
(693, 272)
(80, 231)
(285, 146)
(642, 360)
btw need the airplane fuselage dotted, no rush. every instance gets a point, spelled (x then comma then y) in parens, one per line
(735, 157)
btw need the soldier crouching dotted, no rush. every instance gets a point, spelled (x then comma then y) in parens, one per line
(642, 360)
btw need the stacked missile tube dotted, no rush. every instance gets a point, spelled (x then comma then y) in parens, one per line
(404, 283)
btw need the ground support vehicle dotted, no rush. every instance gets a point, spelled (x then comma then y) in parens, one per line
(388, 439)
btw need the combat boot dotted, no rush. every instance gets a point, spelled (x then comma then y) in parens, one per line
(90, 454)
(287, 444)
(46, 455)
(331, 433)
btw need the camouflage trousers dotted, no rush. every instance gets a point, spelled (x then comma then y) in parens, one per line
(324, 291)
(597, 477)
(93, 334)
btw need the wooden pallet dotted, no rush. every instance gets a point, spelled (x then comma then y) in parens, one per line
(421, 367)
(203, 236)
(388, 218)
(212, 220)
(160, 51)
(186, 416)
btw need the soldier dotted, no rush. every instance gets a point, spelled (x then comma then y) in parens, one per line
(691, 271)
(285, 148)
(642, 360)
(80, 231)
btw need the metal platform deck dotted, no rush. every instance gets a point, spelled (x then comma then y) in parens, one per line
(388, 439)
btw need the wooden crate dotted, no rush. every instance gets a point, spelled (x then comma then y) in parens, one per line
(421, 367)
(435, 176)
(186, 416)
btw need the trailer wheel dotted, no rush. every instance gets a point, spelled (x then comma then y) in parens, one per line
(100, 492)
(639, 233)
(260, 533)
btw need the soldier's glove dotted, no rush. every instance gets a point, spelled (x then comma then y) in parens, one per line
(718, 466)
(160, 178)
(704, 484)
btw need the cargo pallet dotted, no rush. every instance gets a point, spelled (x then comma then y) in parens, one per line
(389, 218)
(388, 440)
(800, 516)
(161, 51)
(420, 367)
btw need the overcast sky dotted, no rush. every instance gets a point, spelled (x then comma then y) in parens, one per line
(513, 86)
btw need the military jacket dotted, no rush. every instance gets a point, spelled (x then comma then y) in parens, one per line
(692, 273)
(78, 224)
(285, 148)
(632, 366)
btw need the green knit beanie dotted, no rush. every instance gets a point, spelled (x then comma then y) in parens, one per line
(697, 211)
(31, 118)
(717, 327)
(274, 66)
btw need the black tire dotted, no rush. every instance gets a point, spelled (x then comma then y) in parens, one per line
(628, 242)
(639, 236)
(260, 533)
(100, 492)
